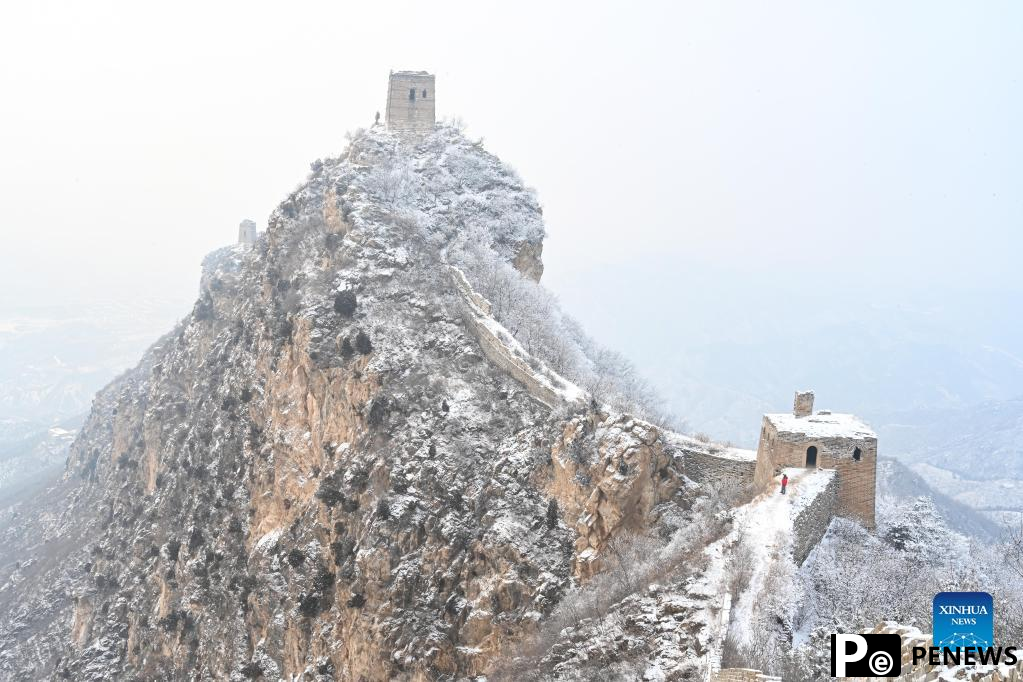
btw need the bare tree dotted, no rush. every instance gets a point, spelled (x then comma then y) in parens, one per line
(1014, 546)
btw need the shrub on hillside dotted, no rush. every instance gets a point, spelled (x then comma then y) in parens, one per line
(362, 343)
(345, 304)
(329, 494)
(296, 557)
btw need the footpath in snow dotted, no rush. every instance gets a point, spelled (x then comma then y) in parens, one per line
(765, 525)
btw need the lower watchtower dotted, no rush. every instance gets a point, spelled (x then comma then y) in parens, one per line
(823, 441)
(411, 98)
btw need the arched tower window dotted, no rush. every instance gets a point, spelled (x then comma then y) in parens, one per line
(424, 94)
(412, 94)
(857, 454)
(811, 456)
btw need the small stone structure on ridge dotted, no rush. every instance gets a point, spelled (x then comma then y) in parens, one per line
(247, 232)
(827, 441)
(411, 98)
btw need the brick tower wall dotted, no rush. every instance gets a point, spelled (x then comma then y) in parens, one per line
(857, 479)
(247, 232)
(405, 112)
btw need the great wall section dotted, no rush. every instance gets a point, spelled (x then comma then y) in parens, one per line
(830, 460)
(501, 349)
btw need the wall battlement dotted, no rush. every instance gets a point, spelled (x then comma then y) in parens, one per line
(726, 468)
(541, 384)
(812, 521)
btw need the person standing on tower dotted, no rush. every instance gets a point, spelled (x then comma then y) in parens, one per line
(784, 482)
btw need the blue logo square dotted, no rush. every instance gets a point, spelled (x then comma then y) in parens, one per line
(963, 619)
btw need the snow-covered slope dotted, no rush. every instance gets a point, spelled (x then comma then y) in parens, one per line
(377, 449)
(321, 473)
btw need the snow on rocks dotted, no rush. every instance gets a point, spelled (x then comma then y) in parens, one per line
(233, 537)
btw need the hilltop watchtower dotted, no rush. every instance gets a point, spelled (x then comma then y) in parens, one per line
(826, 441)
(247, 232)
(411, 101)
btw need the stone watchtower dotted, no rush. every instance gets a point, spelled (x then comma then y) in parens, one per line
(410, 101)
(823, 441)
(247, 232)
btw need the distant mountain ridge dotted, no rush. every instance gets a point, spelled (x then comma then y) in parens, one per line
(982, 441)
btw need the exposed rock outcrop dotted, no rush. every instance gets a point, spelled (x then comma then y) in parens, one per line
(529, 261)
(322, 473)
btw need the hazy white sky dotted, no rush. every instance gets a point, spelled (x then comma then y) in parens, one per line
(875, 142)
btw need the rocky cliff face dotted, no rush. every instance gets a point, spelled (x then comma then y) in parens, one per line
(319, 474)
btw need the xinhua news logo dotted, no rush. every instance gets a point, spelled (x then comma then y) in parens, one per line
(962, 635)
(964, 632)
(866, 655)
(963, 619)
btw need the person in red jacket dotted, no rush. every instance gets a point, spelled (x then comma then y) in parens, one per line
(784, 482)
